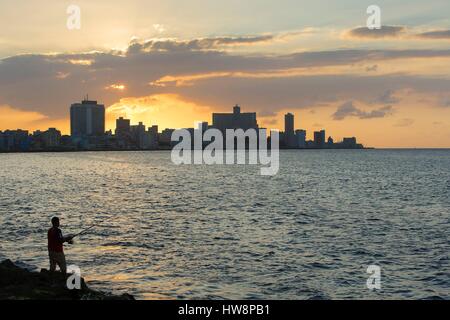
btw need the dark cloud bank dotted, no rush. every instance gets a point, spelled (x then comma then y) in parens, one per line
(49, 83)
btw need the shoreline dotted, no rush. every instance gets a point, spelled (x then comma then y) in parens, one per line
(161, 150)
(282, 149)
(17, 283)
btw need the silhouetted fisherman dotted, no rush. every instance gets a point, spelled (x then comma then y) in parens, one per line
(55, 246)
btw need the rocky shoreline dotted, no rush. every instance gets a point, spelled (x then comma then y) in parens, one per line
(20, 284)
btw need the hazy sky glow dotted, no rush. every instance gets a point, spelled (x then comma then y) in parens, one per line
(174, 62)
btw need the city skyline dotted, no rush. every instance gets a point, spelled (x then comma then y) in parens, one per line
(389, 87)
(87, 133)
(110, 125)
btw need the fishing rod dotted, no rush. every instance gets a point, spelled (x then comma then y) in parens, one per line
(83, 231)
(71, 237)
(87, 229)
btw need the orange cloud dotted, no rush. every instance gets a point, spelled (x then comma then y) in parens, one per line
(13, 118)
(83, 62)
(120, 87)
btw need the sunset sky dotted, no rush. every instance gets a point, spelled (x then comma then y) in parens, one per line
(174, 62)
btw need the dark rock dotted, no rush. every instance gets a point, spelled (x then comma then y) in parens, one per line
(19, 284)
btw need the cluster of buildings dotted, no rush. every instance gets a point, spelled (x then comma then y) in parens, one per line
(22, 140)
(296, 139)
(87, 132)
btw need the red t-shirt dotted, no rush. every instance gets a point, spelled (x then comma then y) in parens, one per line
(55, 240)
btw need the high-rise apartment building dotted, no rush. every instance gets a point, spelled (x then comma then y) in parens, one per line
(87, 119)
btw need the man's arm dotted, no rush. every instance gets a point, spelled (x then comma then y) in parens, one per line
(62, 238)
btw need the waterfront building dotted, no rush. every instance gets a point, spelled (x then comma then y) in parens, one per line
(139, 135)
(87, 119)
(349, 142)
(2, 141)
(289, 135)
(330, 142)
(50, 138)
(300, 136)
(165, 137)
(235, 120)
(15, 140)
(123, 127)
(153, 137)
(319, 139)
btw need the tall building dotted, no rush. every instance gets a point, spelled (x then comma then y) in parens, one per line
(153, 137)
(319, 138)
(300, 136)
(2, 141)
(235, 120)
(122, 127)
(289, 123)
(138, 135)
(87, 119)
(289, 136)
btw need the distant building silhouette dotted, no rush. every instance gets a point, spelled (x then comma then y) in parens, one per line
(87, 119)
(289, 123)
(289, 135)
(349, 142)
(153, 137)
(235, 120)
(123, 127)
(15, 140)
(319, 138)
(165, 137)
(330, 142)
(300, 136)
(46, 140)
(144, 139)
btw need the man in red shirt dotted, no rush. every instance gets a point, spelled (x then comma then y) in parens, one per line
(55, 246)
